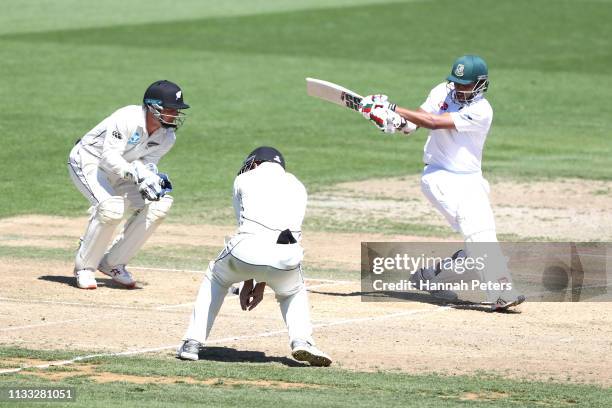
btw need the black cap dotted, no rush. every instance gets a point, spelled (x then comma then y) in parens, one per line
(266, 153)
(165, 94)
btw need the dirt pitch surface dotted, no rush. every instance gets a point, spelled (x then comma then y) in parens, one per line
(41, 309)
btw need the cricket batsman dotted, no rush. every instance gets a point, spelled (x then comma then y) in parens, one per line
(115, 167)
(459, 118)
(269, 204)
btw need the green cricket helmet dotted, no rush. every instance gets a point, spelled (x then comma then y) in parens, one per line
(468, 69)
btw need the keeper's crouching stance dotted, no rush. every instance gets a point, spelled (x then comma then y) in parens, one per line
(270, 205)
(115, 167)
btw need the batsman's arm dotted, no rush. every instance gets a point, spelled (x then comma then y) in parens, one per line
(425, 119)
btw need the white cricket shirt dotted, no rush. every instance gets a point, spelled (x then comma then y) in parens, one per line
(457, 150)
(122, 138)
(268, 200)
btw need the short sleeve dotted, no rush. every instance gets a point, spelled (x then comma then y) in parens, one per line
(473, 118)
(162, 150)
(435, 98)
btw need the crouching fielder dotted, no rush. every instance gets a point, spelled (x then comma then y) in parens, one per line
(459, 118)
(115, 167)
(269, 204)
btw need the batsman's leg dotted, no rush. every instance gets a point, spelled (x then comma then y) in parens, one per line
(439, 188)
(464, 202)
(477, 224)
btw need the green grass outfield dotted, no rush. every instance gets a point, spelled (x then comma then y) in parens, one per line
(236, 384)
(67, 64)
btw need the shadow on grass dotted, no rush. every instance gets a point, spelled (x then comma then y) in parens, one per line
(231, 355)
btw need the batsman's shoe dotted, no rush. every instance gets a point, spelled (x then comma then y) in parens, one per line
(304, 351)
(119, 274)
(503, 304)
(85, 279)
(189, 350)
(420, 282)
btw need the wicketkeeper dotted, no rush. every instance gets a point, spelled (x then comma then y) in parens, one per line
(115, 167)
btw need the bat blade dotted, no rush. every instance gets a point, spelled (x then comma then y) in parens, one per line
(333, 93)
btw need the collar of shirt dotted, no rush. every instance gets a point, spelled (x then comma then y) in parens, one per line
(143, 122)
(143, 125)
(270, 166)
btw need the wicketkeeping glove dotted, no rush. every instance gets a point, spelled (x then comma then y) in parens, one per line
(138, 171)
(150, 188)
(166, 184)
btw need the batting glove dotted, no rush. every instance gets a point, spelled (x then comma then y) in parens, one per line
(386, 120)
(371, 102)
(409, 127)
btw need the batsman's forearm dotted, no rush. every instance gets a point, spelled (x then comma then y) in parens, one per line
(425, 119)
(421, 119)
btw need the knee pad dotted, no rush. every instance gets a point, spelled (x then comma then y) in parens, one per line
(159, 209)
(110, 211)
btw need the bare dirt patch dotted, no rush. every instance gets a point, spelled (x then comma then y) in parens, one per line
(16, 362)
(59, 375)
(107, 377)
(41, 309)
(63, 233)
(562, 210)
(482, 396)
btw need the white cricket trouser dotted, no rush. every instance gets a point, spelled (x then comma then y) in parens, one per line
(463, 199)
(111, 198)
(97, 185)
(287, 284)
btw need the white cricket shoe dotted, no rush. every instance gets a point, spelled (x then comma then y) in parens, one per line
(503, 304)
(85, 279)
(419, 278)
(189, 350)
(304, 351)
(119, 274)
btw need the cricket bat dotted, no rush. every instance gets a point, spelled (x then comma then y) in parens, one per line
(334, 93)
